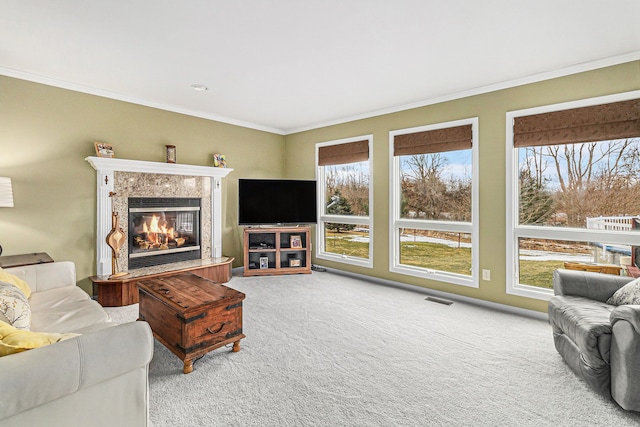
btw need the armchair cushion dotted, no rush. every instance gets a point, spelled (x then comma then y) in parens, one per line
(628, 294)
(586, 324)
(595, 286)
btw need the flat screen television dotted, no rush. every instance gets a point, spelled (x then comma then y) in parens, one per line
(276, 201)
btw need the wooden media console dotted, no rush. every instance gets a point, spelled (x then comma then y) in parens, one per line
(277, 250)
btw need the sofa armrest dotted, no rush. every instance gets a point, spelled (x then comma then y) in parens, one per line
(42, 277)
(628, 313)
(36, 377)
(624, 356)
(587, 284)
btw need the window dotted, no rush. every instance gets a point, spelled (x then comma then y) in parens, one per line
(344, 232)
(434, 201)
(573, 189)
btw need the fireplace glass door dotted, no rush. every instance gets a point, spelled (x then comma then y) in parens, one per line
(163, 230)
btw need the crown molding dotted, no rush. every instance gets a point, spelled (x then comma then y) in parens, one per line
(534, 78)
(63, 84)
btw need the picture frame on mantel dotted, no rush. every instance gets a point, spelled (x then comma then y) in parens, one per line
(171, 153)
(104, 150)
(219, 161)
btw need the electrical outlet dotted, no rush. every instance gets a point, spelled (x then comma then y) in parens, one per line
(486, 274)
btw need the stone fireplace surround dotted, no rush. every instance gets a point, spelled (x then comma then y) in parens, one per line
(135, 178)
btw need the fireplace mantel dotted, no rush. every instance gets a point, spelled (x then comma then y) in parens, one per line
(107, 167)
(125, 165)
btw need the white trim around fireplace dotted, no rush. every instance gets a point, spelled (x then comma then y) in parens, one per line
(106, 167)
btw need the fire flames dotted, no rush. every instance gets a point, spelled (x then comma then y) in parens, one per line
(157, 236)
(154, 229)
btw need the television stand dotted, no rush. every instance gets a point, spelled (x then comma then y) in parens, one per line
(277, 250)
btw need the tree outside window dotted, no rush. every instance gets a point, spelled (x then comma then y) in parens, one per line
(434, 201)
(575, 186)
(344, 228)
(594, 186)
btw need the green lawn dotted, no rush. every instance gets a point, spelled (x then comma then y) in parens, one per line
(441, 257)
(341, 243)
(538, 273)
(436, 257)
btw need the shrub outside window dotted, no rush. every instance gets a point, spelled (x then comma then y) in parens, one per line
(344, 196)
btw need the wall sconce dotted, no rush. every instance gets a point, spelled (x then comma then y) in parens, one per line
(6, 196)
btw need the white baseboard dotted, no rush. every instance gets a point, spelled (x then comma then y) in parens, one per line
(440, 294)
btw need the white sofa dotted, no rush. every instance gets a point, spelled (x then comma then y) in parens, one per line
(99, 378)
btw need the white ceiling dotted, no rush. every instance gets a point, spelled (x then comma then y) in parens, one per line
(290, 65)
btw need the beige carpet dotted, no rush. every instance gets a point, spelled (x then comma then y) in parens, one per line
(329, 350)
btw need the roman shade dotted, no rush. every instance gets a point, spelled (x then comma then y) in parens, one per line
(617, 120)
(433, 141)
(340, 154)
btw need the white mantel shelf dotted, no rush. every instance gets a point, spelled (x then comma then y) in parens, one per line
(125, 165)
(105, 169)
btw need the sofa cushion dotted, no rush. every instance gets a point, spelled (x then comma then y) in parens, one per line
(47, 300)
(14, 306)
(42, 277)
(13, 340)
(586, 323)
(16, 281)
(66, 309)
(628, 294)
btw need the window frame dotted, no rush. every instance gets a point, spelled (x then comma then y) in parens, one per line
(515, 231)
(324, 218)
(396, 222)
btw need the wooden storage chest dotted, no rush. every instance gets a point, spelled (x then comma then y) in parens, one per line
(191, 315)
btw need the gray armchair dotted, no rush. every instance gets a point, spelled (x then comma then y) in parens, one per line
(600, 342)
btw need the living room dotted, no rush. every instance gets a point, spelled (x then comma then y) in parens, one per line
(49, 126)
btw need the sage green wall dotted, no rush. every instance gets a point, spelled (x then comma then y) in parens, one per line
(45, 135)
(491, 109)
(46, 132)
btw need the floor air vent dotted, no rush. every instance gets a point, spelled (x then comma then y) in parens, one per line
(439, 300)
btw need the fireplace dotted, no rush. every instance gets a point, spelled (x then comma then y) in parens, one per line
(135, 178)
(163, 230)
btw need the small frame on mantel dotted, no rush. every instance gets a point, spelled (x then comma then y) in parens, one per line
(104, 149)
(171, 153)
(219, 161)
